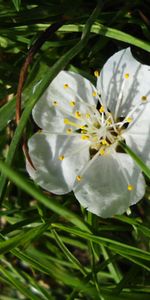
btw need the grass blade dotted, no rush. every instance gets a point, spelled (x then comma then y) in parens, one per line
(138, 160)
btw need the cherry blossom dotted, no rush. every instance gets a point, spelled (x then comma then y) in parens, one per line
(77, 148)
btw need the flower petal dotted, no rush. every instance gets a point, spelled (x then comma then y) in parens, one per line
(110, 185)
(67, 94)
(57, 161)
(137, 136)
(123, 82)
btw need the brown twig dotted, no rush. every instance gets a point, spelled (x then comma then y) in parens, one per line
(23, 74)
(144, 18)
(33, 50)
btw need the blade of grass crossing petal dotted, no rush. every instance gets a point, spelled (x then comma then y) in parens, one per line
(138, 160)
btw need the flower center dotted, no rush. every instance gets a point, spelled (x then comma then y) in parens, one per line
(99, 128)
(95, 124)
(102, 132)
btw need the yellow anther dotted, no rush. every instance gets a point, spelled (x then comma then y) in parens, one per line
(78, 177)
(66, 86)
(94, 94)
(104, 142)
(83, 131)
(126, 75)
(72, 103)
(102, 151)
(87, 115)
(144, 98)
(96, 73)
(55, 103)
(68, 122)
(77, 114)
(130, 187)
(108, 122)
(102, 109)
(85, 137)
(61, 157)
(129, 120)
(69, 130)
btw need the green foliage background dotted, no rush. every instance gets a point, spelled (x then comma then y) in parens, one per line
(50, 247)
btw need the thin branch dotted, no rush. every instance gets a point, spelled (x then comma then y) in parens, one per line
(33, 50)
(23, 74)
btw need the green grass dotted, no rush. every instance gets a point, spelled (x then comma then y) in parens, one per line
(50, 247)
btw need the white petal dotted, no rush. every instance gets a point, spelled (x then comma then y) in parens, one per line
(137, 136)
(116, 89)
(103, 188)
(69, 92)
(51, 173)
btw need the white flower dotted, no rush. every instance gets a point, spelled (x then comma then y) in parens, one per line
(77, 148)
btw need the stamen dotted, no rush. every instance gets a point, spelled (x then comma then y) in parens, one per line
(85, 137)
(72, 103)
(104, 142)
(68, 122)
(126, 75)
(84, 131)
(61, 157)
(78, 115)
(94, 94)
(69, 130)
(128, 119)
(102, 109)
(96, 73)
(102, 151)
(78, 178)
(87, 115)
(130, 187)
(66, 86)
(136, 107)
(55, 103)
(108, 120)
(144, 98)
